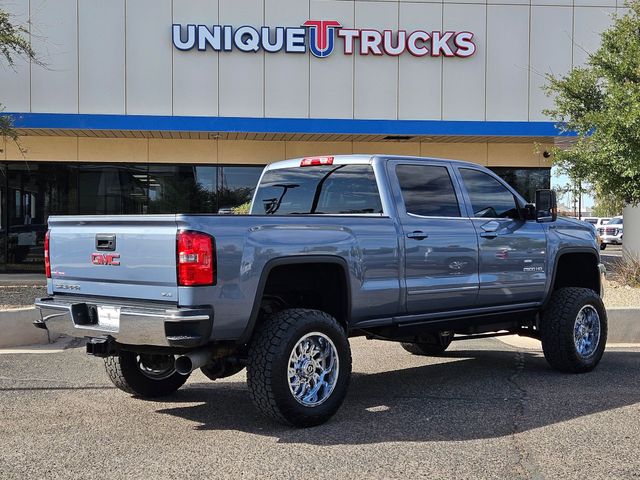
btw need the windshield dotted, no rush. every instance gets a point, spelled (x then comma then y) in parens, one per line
(615, 221)
(323, 189)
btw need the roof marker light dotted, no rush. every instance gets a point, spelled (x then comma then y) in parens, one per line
(312, 161)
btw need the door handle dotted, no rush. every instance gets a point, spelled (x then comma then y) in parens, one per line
(417, 235)
(488, 234)
(491, 226)
(490, 229)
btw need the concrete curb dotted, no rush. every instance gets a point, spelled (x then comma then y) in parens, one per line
(624, 325)
(16, 328)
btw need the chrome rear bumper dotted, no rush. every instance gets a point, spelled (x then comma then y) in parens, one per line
(138, 324)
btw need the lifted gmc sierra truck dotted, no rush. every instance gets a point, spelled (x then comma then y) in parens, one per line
(413, 250)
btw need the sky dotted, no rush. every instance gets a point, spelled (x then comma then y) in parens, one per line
(558, 180)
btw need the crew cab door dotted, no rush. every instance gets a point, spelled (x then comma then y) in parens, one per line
(441, 249)
(513, 260)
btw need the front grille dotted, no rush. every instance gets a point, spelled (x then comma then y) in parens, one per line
(611, 231)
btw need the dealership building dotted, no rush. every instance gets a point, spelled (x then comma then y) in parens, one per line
(164, 106)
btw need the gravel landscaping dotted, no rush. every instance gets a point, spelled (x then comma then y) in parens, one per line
(20, 296)
(618, 295)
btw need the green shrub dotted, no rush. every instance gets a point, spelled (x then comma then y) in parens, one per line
(242, 209)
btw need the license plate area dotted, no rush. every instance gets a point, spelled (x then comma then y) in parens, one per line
(108, 317)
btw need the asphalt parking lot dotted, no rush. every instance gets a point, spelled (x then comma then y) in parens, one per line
(486, 410)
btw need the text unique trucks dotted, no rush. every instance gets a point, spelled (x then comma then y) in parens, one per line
(414, 250)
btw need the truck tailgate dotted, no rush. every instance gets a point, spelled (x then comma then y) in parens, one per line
(114, 256)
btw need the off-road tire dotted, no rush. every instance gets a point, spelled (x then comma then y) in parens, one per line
(438, 347)
(557, 329)
(123, 371)
(267, 368)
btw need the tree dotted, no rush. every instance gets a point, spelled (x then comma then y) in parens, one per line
(600, 103)
(607, 205)
(14, 44)
(573, 191)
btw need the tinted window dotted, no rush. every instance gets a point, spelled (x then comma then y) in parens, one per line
(615, 221)
(525, 181)
(182, 189)
(328, 189)
(112, 189)
(236, 185)
(427, 190)
(489, 198)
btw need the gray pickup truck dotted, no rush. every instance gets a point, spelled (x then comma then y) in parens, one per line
(413, 250)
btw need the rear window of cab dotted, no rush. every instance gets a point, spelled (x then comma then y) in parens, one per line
(316, 190)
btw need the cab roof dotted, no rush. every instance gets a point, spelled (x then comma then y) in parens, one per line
(357, 159)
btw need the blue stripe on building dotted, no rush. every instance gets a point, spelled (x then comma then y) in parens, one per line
(337, 126)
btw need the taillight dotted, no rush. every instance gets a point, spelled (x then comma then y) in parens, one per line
(196, 259)
(310, 161)
(47, 255)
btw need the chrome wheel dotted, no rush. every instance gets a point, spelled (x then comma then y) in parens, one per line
(586, 331)
(313, 369)
(156, 367)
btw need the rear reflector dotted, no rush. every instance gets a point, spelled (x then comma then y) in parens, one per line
(310, 161)
(196, 259)
(47, 255)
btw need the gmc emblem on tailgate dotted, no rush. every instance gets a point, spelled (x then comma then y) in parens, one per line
(112, 259)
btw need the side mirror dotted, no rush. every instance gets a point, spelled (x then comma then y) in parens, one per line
(529, 212)
(546, 206)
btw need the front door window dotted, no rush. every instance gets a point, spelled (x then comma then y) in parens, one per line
(489, 198)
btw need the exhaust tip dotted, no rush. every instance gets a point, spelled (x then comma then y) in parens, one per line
(184, 365)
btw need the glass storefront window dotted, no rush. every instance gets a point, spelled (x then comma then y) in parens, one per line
(182, 189)
(525, 180)
(112, 189)
(3, 216)
(236, 186)
(31, 191)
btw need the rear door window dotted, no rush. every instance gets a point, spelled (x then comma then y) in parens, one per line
(427, 191)
(322, 189)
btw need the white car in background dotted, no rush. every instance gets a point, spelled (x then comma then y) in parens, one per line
(611, 233)
(597, 221)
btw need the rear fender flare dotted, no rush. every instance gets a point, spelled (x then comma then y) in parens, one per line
(294, 260)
